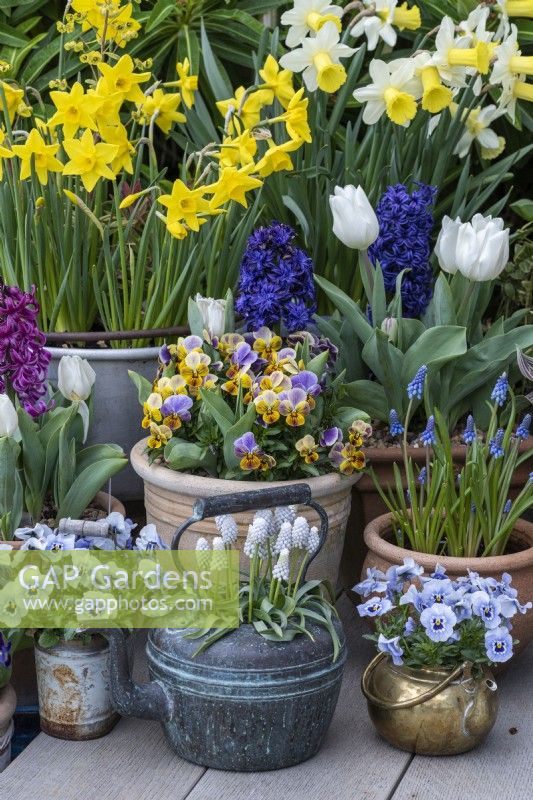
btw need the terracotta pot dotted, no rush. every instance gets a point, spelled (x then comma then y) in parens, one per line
(382, 459)
(169, 497)
(382, 553)
(8, 702)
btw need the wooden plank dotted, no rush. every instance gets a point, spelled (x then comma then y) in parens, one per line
(353, 764)
(501, 768)
(131, 763)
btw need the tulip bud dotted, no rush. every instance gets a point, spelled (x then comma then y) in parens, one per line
(479, 250)
(354, 220)
(75, 378)
(390, 327)
(213, 314)
(8, 417)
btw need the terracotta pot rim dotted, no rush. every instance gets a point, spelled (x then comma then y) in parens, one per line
(376, 543)
(197, 485)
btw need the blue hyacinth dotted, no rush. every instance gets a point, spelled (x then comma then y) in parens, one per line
(276, 281)
(501, 387)
(495, 444)
(427, 437)
(395, 426)
(416, 387)
(404, 242)
(469, 434)
(522, 432)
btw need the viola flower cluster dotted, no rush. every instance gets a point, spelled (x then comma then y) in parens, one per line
(404, 243)
(276, 281)
(433, 621)
(23, 358)
(286, 392)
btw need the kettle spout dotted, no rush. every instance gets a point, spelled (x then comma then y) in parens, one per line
(150, 700)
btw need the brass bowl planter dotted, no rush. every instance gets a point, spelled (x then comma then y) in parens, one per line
(431, 712)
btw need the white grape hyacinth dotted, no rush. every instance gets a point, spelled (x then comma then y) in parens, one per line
(284, 538)
(285, 514)
(308, 16)
(282, 567)
(319, 60)
(313, 541)
(219, 560)
(268, 516)
(227, 528)
(300, 533)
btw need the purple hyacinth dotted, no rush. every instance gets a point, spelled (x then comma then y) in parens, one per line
(495, 444)
(276, 281)
(395, 426)
(522, 432)
(23, 358)
(469, 434)
(404, 243)
(427, 437)
(416, 387)
(501, 387)
(5, 652)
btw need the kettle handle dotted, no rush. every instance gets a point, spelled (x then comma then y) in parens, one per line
(295, 494)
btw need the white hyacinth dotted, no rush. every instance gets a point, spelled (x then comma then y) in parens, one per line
(300, 533)
(284, 539)
(228, 528)
(313, 540)
(281, 570)
(285, 514)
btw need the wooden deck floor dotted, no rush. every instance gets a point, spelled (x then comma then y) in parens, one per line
(134, 762)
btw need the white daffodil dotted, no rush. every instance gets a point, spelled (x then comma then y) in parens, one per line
(308, 16)
(453, 58)
(393, 92)
(477, 129)
(318, 59)
(512, 8)
(427, 84)
(509, 62)
(380, 25)
(474, 28)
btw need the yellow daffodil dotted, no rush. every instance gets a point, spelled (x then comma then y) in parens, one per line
(89, 160)
(239, 151)
(266, 405)
(250, 112)
(110, 20)
(72, 112)
(42, 155)
(185, 205)
(13, 99)
(195, 368)
(278, 81)
(164, 107)
(277, 157)
(307, 448)
(160, 435)
(104, 108)
(122, 79)
(5, 152)
(118, 136)
(188, 84)
(152, 410)
(295, 117)
(233, 184)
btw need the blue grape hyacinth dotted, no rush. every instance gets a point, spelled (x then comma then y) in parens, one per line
(395, 426)
(469, 434)
(501, 387)
(427, 437)
(415, 389)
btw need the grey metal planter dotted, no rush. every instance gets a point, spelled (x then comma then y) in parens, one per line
(245, 703)
(116, 411)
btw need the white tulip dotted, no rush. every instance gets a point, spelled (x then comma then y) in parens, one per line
(390, 327)
(213, 314)
(75, 378)
(354, 220)
(479, 250)
(9, 423)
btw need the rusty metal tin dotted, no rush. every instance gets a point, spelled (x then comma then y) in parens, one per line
(74, 689)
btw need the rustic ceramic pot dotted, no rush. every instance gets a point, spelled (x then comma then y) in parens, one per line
(382, 554)
(73, 681)
(169, 497)
(8, 702)
(433, 712)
